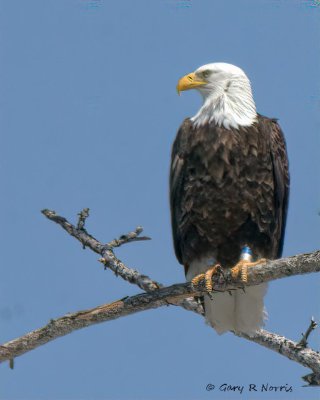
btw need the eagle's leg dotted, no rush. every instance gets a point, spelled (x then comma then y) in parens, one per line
(207, 277)
(241, 268)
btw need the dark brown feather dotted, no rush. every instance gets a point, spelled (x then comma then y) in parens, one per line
(228, 188)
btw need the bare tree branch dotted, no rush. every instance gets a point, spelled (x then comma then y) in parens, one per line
(129, 237)
(303, 342)
(146, 301)
(106, 251)
(290, 349)
(110, 260)
(161, 297)
(158, 296)
(106, 312)
(83, 215)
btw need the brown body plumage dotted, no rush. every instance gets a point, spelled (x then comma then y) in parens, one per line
(228, 188)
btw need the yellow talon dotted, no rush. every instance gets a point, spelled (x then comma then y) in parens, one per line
(244, 273)
(242, 269)
(195, 281)
(207, 277)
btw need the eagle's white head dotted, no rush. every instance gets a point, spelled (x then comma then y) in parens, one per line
(227, 95)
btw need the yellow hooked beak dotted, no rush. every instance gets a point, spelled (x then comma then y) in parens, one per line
(189, 82)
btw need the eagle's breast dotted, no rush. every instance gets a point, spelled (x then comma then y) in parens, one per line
(226, 191)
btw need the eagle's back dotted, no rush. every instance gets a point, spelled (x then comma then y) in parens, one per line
(228, 188)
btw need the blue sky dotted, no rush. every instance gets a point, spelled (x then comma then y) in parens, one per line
(88, 112)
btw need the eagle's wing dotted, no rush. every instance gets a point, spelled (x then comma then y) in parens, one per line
(281, 185)
(177, 179)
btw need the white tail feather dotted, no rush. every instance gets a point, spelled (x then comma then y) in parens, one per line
(240, 311)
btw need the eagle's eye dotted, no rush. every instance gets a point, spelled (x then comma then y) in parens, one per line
(206, 73)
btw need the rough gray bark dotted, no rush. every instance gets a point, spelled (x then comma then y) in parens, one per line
(109, 259)
(146, 301)
(105, 250)
(290, 349)
(158, 296)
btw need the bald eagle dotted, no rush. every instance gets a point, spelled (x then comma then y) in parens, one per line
(229, 187)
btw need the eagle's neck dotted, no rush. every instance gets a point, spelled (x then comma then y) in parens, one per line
(229, 103)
